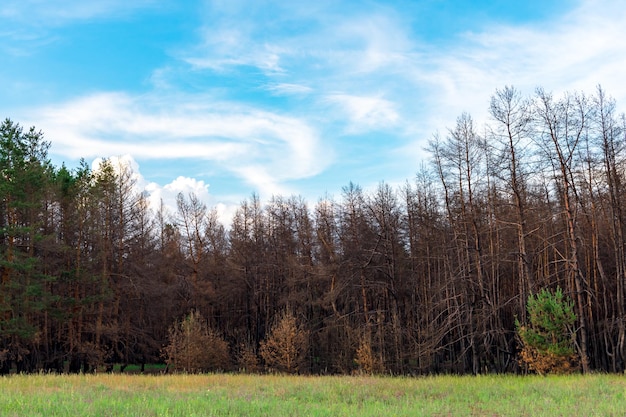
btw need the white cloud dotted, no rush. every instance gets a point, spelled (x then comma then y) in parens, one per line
(226, 47)
(168, 192)
(288, 89)
(164, 196)
(187, 186)
(574, 51)
(235, 138)
(348, 72)
(120, 164)
(365, 113)
(375, 42)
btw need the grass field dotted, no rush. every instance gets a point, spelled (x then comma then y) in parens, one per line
(250, 395)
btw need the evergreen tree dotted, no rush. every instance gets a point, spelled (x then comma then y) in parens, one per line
(24, 177)
(547, 344)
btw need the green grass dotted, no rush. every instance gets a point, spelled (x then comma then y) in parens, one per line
(249, 395)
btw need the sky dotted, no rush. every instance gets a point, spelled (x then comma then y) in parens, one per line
(226, 98)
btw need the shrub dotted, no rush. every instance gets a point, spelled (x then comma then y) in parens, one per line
(194, 347)
(286, 346)
(247, 359)
(547, 341)
(365, 358)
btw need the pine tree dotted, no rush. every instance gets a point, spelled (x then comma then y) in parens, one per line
(24, 177)
(547, 345)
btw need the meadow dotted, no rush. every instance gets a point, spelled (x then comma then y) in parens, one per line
(273, 395)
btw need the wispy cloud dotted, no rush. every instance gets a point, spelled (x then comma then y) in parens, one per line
(288, 89)
(59, 12)
(364, 113)
(29, 25)
(272, 148)
(232, 46)
(267, 90)
(576, 50)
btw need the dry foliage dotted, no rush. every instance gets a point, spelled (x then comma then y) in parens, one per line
(367, 362)
(286, 346)
(548, 362)
(194, 347)
(247, 359)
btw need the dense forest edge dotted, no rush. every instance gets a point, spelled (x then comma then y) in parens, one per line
(430, 277)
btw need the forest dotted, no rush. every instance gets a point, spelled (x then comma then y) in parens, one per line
(428, 277)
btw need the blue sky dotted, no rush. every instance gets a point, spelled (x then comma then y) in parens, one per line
(229, 97)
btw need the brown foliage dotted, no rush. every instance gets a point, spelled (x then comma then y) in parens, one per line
(247, 359)
(286, 346)
(194, 347)
(367, 362)
(547, 362)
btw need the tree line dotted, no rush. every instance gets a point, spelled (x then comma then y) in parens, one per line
(427, 277)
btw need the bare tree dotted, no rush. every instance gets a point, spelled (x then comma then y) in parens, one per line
(459, 161)
(610, 137)
(561, 126)
(512, 134)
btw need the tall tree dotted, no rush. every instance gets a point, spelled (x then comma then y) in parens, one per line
(562, 124)
(248, 287)
(512, 134)
(72, 189)
(459, 161)
(24, 177)
(606, 186)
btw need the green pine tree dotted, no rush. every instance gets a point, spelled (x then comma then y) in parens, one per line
(547, 343)
(25, 174)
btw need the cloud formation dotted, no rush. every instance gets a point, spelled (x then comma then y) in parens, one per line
(378, 72)
(364, 113)
(163, 197)
(280, 94)
(261, 147)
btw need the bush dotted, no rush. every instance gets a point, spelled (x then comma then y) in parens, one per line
(365, 358)
(547, 341)
(247, 359)
(286, 346)
(194, 347)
